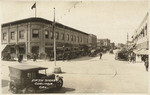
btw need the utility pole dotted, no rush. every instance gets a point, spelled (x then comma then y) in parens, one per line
(54, 38)
(127, 39)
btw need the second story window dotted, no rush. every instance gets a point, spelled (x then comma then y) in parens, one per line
(75, 38)
(51, 35)
(57, 35)
(12, 36)
(80, 39)
(4, 36)
(62, 36)
(71, 38)
(21, 34)
(46, 34)
(67, 37)
(35, 33)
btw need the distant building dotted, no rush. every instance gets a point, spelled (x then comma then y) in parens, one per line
(92, 41)
(112, 45)
(103, 44)
(121, 45)
(35, 35)
(140, 38)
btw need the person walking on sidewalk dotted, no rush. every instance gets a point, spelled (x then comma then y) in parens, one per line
(100, 55)
(20, 57)
(146, 63)
(34, 57)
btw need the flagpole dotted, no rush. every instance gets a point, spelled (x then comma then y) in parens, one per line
(54, 39)
(35, 9)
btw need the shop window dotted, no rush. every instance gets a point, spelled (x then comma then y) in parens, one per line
(12, 36)
(48, 50)
(35, 49)
(12, 50)
(4, 36)
(46, 34)
(21, 50)
(21, 34)
(35, 33)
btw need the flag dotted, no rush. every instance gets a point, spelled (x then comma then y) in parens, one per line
(34, 6)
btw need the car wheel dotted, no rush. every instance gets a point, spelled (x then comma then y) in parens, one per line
(13, 88)
(30, 89)
(59, 84)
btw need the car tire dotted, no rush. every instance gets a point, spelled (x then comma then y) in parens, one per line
(12, 87)
(30, 89)
(59, 84)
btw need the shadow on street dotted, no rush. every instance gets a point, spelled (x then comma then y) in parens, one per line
(4, 83)
(82, 58)
(62, 90)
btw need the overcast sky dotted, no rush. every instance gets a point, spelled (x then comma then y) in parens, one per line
(106, 19)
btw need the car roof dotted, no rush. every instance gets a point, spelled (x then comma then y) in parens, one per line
(27, 67)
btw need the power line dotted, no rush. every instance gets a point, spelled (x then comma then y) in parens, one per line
(69, 10)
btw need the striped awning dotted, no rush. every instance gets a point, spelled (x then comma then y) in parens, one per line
(142, 52)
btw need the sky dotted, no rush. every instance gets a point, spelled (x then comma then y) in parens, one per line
(106, 19)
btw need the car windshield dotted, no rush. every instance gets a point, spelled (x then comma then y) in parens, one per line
(42, 72)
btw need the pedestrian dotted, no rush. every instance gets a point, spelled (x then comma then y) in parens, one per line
(146, 63)
(100, 55)
(68, 56)
(34, 56)
(129, 57)
(19, 58)
(28, 56)
(134, 58)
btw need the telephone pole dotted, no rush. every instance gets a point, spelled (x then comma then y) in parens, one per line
(54, 39)
(127, 39)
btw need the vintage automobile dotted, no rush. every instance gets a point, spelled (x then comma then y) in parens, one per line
(32, 79)
(111, 51)
(122, 55)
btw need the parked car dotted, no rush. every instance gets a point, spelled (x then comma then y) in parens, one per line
(111, 52)
(122, 55)
(32, 79)
(93, 53)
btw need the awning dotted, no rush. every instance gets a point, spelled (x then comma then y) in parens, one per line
(142, 52)
(3, 47)
(135, 51)
(93, 50)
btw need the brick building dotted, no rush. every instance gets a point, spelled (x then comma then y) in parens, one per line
(35, 35)
(92, 41)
